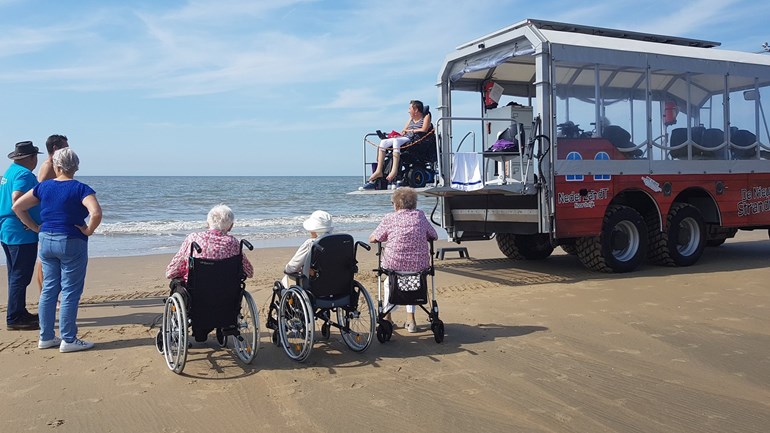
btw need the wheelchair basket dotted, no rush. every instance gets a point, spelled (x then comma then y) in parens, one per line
(408, 288)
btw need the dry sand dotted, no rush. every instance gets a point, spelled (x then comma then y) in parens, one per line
(530, 347)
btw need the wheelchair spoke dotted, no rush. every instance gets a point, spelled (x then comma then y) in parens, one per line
(296, 324)
(357, 321)
(247, 342)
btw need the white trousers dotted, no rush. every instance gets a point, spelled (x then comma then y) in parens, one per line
(395, 143)
(388, 305)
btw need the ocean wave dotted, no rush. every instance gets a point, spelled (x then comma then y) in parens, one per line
(264, 227)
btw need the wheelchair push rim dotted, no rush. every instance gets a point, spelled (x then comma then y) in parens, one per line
(358, 323)
(296, 324)
(246, 344)
(175, 333)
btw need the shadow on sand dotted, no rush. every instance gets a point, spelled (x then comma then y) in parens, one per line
(563, 268)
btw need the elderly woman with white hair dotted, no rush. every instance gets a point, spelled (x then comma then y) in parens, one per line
(216, 243)
(65, 203)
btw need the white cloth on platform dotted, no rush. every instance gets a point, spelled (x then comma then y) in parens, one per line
(466, 171)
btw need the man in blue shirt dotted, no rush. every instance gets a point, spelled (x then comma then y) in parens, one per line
(19, 243)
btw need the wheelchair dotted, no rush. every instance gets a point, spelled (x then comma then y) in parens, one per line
(407, 288)
(215, 298)
(417, 164)
(325, 286)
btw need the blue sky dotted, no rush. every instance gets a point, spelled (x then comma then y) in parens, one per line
(285, 87)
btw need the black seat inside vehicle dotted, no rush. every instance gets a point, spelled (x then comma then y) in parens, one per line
(621, 139)
(679, 136)
(712, 138)
(741, 140)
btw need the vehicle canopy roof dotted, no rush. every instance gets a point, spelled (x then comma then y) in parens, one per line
(499, 56)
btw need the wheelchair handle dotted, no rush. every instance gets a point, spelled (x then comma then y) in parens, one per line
(364, 245)
(246, 243)
(195, 247)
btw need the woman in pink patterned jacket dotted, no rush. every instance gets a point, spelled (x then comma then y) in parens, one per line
(215, 244)
(407, 232)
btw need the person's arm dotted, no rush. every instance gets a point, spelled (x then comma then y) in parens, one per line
(21, 206)
(425, 124)
(176, 268)
(298, 261)
(95, 215)
(380, 234)
(46, 171)
(429, 230)
(247, 268)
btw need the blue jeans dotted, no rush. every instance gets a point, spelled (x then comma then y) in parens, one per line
(21, 265)
(64, 271)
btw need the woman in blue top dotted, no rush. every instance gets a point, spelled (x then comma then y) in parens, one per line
(63, 247)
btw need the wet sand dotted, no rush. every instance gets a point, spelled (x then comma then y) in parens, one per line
(530, 347)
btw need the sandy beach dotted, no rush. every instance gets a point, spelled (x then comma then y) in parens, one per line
(530, 347)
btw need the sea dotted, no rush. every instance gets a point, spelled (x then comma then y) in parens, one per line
(144, 215)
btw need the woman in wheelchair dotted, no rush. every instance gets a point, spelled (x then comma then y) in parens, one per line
(407, 232)
(320, 222)
(417, 124)
(215, 244)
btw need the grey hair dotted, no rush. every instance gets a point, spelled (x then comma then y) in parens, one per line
(67, 160)
(221, 217)
(405, 198)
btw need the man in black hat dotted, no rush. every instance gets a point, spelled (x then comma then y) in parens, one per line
(19, 243)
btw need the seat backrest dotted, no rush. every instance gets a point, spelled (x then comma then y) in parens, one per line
(713, 137)
(333, 261)
(621, 139)
(679, 136)
(423, 150)
(743, 138)
(215, 290)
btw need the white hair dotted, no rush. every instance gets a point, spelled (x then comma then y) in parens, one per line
(67, 160)
(221, 217)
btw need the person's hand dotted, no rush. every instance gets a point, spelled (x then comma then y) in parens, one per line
(85, 230)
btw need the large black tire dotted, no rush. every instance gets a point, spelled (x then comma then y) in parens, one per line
(570, 248)
(621, 246)
(683, 241)
(525, 247)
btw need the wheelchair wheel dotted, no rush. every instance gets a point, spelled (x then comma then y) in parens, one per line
(384, 331)
(221, 338)
(296, 324)
(159, 341)
(175, 333)
(247, 343)
(358, 320)
(326, 330)
(417, 177)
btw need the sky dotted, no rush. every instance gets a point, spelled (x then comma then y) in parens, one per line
(269, 88)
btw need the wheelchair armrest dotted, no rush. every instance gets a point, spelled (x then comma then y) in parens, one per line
(296, 276)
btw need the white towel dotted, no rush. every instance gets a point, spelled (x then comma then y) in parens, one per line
(466, 171)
